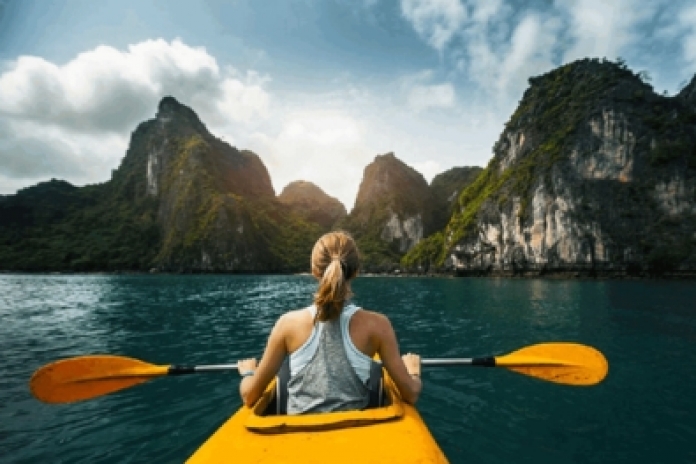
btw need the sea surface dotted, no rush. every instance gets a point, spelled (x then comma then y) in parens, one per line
(644, 412)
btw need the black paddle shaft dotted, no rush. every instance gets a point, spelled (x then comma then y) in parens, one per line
(180, 370)
(483, 362)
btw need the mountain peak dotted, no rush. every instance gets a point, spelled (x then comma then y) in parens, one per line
(393, 210)
(168, 102)
(170, 106)
(312, 203)
(388, 176)
(302, 188)
(386, 157)
(592, 69)
(170, 109)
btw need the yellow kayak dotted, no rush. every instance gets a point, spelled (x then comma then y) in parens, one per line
(394, 433)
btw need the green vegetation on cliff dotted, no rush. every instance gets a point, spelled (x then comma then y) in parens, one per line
(553, 128)
(445, 189)
(366, 226)
(592, 163)
(393, 207)
(182, 200)
(312, 204)
(55, 226)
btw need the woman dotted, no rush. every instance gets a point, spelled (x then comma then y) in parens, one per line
(330, 344)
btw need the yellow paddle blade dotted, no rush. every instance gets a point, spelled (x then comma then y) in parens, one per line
(566, 363)
(86, 377)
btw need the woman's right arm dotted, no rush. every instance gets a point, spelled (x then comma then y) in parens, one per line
(251, 388)
(406, 377)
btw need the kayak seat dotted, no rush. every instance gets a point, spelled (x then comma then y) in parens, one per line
(375, 385)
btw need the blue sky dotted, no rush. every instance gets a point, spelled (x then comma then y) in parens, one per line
(316, 88)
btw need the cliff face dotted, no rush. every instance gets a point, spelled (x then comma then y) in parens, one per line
(446, 188)
(206, 193)
(392, 212)
(182, 200)
(594, 172)
(310, 202)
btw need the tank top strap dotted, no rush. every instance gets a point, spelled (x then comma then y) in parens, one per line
(347, 313)
(328, 381)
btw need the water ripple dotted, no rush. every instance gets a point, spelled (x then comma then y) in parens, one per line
(641, 413)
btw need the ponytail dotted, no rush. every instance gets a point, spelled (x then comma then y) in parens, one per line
(334, 262)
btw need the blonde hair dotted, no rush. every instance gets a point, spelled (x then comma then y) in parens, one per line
(335, 260)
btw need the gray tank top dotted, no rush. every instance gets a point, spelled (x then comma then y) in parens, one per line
(328, 382)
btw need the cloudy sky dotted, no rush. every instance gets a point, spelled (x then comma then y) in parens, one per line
(316, 88)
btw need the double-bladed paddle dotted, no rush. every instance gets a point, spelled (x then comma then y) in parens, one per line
(85, 377)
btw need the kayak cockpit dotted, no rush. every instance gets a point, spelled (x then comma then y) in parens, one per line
(390, 434)
(263, 418)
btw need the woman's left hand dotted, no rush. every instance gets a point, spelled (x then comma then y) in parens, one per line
(246, 365)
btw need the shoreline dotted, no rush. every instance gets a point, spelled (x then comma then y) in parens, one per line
(603, 275)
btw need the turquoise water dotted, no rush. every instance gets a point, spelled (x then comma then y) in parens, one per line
(642, 413)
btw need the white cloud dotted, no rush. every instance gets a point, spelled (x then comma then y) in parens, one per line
(72, 120)
(32, 153)
(485, 11)
(420, 93)
(601, 28)
(325, 147)
(431, 96)
(530, 53)
(437, 21)
(501, 70)
(499, 45)
(108, 90)
(24, 156)
(495, 57)
(687, 20)
(244, 101)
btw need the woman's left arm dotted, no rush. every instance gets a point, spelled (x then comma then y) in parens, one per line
(252, 386)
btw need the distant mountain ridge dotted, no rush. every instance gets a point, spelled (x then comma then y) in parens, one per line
(183, 200)
(594, 173)
(392, 212)
(310, 202)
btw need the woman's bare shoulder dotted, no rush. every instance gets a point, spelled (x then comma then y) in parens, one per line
(295, 316)
(374, 319)
(370, 313)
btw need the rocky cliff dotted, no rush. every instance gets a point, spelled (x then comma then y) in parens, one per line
(182, 200)
(446, 188)
(312, 203)
(393, 212)
(594, 173)
(213, 201)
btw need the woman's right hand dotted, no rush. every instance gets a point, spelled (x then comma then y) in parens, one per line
(413, 363)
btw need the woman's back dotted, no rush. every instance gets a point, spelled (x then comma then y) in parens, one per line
(333, 366)
(361, 328)
(328, 372)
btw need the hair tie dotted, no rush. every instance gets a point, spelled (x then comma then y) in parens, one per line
(344, 268)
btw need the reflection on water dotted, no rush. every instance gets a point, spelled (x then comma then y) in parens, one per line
(641, 413)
